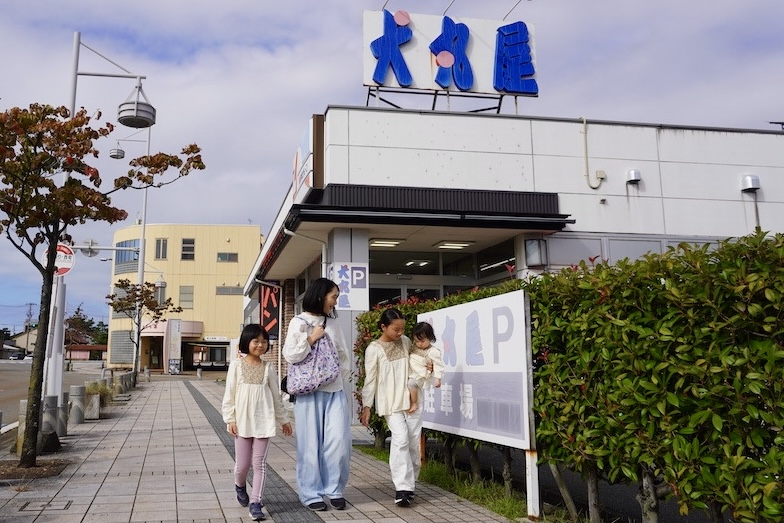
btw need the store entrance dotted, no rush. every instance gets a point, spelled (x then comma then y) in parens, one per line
(156, 352)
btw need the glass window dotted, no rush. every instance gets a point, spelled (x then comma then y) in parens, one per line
(188, 249)
(496, 260)
(186, 296)
(452, 289)
(424, 294)
(403, 262)
(228, 257)
(384, 297)
(161, 246)
(458, 264)
(126, 256)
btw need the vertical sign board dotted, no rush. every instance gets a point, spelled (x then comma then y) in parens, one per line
(174, 345)
(352, 281)
(302, 169)
(269, 306)
(487, 385)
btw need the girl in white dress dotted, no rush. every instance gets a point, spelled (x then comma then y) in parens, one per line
(386, 379)
(251, 407)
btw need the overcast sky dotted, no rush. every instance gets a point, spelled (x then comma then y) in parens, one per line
(242, 77)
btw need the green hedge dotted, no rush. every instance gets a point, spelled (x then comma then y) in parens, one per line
(669, 367)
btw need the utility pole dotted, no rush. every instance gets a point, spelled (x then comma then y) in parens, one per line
(28, 322)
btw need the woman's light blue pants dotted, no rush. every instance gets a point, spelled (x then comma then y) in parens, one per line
(323, 445)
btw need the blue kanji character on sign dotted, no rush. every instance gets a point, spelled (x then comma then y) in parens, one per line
(513, 64)
(343, 272)
(450, 51)
(387, 49)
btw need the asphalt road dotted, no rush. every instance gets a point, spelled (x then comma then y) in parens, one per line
(15, 382)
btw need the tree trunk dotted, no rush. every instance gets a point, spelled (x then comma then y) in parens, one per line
(30, 444)
(649, 501)
(473, 460)
(592, 482)
(506, 472)
(379, 440)
(449, 454)
(564, 490)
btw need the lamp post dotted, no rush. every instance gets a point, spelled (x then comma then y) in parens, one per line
(118, 153)
(135, 112)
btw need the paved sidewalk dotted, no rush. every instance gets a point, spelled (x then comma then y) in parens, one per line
(164, 456)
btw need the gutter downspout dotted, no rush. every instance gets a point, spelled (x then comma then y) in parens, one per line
(600, 176)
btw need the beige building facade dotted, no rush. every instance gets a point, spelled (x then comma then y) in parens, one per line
(202, 268)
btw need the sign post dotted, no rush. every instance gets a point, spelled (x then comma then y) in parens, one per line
(54, 362)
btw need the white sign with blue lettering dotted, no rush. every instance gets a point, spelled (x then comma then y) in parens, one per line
(439, 53)
(487, 385)
(352, 280)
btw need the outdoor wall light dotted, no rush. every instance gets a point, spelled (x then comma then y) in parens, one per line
(749, 183)
(536, 253)
(633, 177)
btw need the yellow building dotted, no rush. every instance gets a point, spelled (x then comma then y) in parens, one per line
(202, 268)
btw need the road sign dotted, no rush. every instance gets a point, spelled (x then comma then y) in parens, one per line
(89, 249)
(65, 259)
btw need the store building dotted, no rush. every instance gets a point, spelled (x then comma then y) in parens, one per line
(395, 203)
(202, 268)
(427, 203)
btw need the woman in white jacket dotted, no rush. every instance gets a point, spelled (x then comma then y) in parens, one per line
(322, 420)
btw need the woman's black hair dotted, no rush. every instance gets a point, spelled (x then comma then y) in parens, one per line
(390, 315)
(250, 332)
(313, 300)
(423, 331)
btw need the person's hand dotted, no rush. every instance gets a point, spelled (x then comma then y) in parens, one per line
(429, 365)
(286, 429)
(437, 384)
(316, 334)
(232, 428)
(365, 416)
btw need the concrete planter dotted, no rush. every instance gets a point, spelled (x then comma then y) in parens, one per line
(92, 406)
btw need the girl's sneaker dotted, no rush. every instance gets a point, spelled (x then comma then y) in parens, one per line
(255, 511)
(242, 495)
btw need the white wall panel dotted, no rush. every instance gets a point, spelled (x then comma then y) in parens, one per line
(720, 147)
(336, 165)
(455, 132)
(618, 214)
(771, 216)
(718, 219)
(336, 127)
(430, 168)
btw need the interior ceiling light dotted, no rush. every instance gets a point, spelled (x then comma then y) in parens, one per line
(385, 242)
(418, 263)
(453, 245)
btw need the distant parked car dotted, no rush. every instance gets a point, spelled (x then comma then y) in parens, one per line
(29, 357)
(17, 356)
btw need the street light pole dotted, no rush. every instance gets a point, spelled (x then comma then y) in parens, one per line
(142, 253)
(133, 113)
